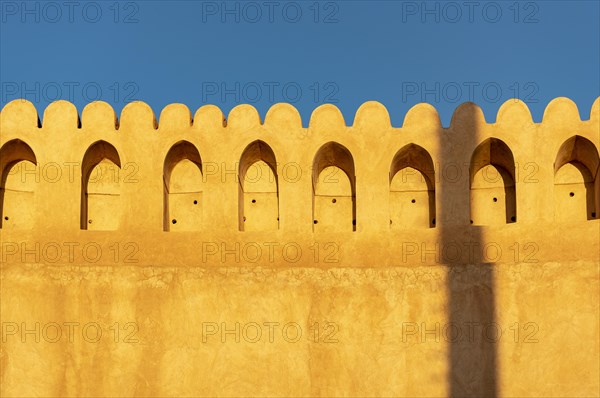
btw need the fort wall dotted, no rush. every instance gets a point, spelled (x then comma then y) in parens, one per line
(386, 237)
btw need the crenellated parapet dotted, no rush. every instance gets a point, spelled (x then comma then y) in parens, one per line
(191, 179)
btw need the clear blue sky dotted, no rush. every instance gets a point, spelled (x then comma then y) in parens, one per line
(305, 52)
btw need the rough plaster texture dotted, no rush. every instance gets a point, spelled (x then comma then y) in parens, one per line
(298, 263)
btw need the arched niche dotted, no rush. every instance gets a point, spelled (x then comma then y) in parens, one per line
(101, 206)
(576, 180)
(492, 184)
(18, 178)
(258, 189)
(412, 189)
(183, 186)
(334, 189)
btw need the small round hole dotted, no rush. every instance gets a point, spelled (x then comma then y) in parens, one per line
(413, 201)
(390, 222)
(253, 200)
(571, 194)
(315, 222)
(513, 219)
(174, 221)
(495, 199)
(6, 218)
(89, 221)
(333, 200)
(244, 219)
(195, 202)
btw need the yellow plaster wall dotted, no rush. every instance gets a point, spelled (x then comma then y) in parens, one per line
(376, 302)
